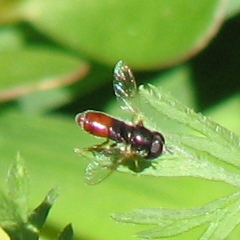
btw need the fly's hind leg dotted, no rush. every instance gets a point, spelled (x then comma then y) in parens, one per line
(98, 147)
(95, 148)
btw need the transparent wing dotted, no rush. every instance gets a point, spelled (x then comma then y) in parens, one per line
(125, 88)
(103, 162)
(96, 173)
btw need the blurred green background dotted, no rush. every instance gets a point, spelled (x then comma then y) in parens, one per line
(56, 59)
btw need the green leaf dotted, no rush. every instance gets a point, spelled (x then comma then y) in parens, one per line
(47, 144)
(174, 110)
(211, 132)
(38, 216)
(227, 112)
(207, 153)
(13, 205)
(18, 185)
(14, 209)
(34, 69)
(67, 233)
(146, 35)
(188, 155)
(8, 213)
(14, 217)
(220, 215)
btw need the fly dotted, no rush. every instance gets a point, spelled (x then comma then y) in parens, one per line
(130, 142)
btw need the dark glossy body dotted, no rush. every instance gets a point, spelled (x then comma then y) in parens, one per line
(145, 143)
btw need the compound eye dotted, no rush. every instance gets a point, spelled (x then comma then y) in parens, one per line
(157, 146)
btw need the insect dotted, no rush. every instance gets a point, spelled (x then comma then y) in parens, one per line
(130, 142)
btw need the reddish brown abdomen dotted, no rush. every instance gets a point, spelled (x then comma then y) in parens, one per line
(94, 122)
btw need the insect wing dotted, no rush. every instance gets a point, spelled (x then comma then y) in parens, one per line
(96, 173)
(125, 88)
(124, 82)
(104, 163)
